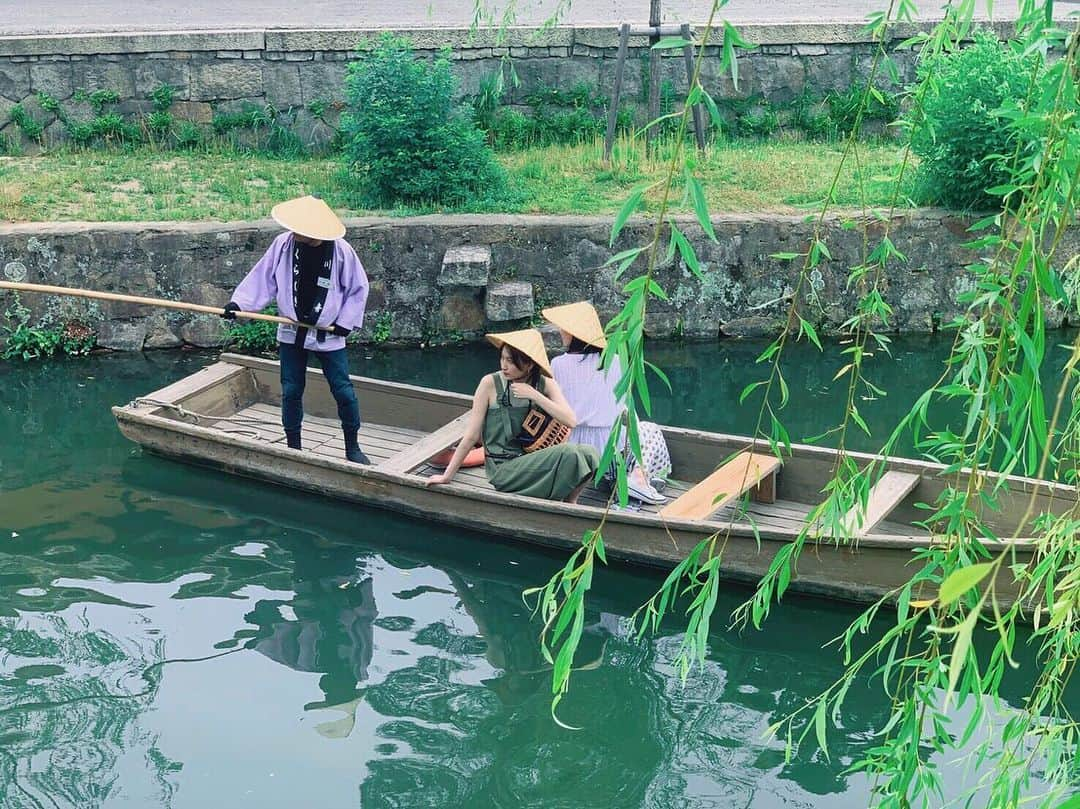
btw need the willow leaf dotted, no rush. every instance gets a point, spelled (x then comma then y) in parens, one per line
(633, 202)
(962, 580)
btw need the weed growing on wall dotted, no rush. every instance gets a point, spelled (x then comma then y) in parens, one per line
(384, 325)
(253, 129)
(262, 129)
(26, 340)
(27, 123)
(254, 336)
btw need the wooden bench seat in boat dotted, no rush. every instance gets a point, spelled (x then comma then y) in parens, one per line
(432, 444)
(885, 495)
(747, 470)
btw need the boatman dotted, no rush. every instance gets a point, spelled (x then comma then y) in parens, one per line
(316, 278)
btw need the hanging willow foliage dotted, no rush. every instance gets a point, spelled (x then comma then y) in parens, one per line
(943, 640)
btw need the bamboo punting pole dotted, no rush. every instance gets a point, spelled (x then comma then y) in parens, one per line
(115, 296)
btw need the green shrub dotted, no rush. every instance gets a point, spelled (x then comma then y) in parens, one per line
(810, 115)
(110, 128)
(384, 325)
(25, 342)
(405, 141)
(50, 104)
(557, 117)
(159, 122)
(225, 122)
(487, 102)
(30, 343)
(843, 106)
(258, 129)
(960, 138)
(81, 133)
(281, 141)
(30, 126)
(254, 336)
(162, 96)
(511, 129)
(757, 123)
(189, 135)
(97, 99)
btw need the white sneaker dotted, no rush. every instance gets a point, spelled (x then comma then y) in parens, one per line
(646, 495)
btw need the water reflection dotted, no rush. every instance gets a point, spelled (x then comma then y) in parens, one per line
(434, 664)
(71, 694)
(326, 627)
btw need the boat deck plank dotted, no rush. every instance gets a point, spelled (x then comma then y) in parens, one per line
(787, 517)
(322, 436)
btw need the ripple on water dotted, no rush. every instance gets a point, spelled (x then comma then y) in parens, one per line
(59, 550)
(37, 672)
(251, 549)
(441, 636)
(395, 623)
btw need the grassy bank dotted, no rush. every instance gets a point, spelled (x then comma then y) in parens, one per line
(149, 184)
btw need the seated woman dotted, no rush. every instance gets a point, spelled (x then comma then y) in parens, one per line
(501, 402)
(590, 391)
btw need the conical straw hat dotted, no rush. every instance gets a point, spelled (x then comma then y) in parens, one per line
(580, 319)
(527, 341)
(309, 216)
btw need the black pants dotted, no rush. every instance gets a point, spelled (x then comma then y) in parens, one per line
(335, 367)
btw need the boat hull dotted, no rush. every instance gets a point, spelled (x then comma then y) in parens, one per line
(862, 573)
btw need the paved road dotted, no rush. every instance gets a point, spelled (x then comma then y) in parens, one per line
(70, 16)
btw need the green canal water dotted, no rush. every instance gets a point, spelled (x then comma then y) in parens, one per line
(175, 637)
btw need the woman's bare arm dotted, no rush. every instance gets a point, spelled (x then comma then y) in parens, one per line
(474, 428)
(553, 403)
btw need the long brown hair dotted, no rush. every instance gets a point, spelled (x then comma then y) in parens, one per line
(523, 361)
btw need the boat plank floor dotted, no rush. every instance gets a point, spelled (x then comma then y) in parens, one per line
(322, 436)
(785, 515)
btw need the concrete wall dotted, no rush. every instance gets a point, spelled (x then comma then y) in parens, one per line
(425, 288)
(301, 71)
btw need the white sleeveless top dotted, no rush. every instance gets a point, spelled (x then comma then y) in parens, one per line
(590, 392)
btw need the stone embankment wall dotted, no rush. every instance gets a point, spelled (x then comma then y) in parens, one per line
(448, 278)
(301, 73)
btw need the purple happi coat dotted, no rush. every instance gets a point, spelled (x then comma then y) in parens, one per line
(271, 279)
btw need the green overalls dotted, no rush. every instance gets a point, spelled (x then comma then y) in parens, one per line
(550, 473)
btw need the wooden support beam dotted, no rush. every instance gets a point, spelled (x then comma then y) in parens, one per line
(695, 110)
(433, 443)
(885, 495)
(747, 470)
(613, 110)
(655, 58)
(202, 380)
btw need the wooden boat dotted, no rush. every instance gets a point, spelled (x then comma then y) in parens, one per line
(227, 416)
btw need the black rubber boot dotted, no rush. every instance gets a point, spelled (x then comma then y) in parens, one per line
(352, 448)
(293, 439)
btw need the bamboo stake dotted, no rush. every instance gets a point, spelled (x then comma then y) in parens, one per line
(653, 131)
(613, 110)
(115, 296)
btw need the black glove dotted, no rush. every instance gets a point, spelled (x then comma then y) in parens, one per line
(340, 331)
(230, 310)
